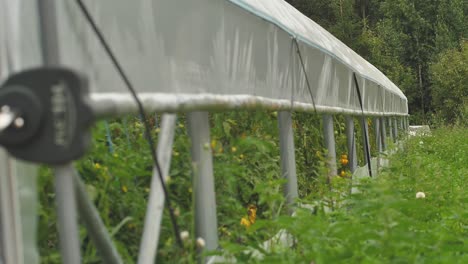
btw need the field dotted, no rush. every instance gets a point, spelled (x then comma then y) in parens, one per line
(386, 223)
(383, 223)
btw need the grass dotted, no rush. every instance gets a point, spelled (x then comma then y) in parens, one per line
(385, 223)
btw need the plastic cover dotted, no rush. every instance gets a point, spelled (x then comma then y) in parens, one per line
(209, 48)
(19, 49)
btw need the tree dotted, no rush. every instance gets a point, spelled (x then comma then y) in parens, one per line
(450, 84)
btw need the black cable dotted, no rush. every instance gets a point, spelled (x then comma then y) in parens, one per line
(305, 74)
(130, 87)
(366, 136)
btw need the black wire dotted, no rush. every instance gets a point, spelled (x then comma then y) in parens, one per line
(140, 109)
(366, 136)
(305, 74)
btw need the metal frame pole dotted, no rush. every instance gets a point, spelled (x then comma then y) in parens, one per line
(90, 217)
(288, 158)
(378, 140)
(329, 136)
(67, 219)
(64, 189)
(402, 126)
(10, 228)
(154, 212)
(390, 129)
(351, 140)
(206, 224)
(366, 143)
(383, 133)
(48, 25)
(395, 128)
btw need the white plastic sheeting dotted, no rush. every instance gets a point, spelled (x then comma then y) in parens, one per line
(19, 49)
(221, 48)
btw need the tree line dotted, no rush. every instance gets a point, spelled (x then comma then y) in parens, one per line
(420, 45)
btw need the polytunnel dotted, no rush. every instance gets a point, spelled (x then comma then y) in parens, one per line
(209, 55)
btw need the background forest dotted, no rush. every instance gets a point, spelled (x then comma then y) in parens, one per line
(421, 45)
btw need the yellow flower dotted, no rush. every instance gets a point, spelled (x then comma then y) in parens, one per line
(252, 212)
(251, 216)
(344, 162)
(233, 149)
(245, 222)
(343, 173)
(213, 144)
(124, 189)
(181, 125)
(147, 190)
(241, 156)
(97, 166)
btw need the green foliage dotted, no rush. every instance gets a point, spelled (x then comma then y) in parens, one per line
(246, 168)
(384, 222)
(377, 223)
(450, 90)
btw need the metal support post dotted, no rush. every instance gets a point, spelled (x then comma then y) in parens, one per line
(378, 140)
(366, 143)
(395, 128)
(67, 219)
(10, 220)
(206, 224)
(383, 133)
(288, 159)
(329, 136)
(97, 231)
(351, 140)
(390, 129)
(154, 212)
(402, 126)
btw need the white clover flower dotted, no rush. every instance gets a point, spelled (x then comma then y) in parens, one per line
(420, 195)
(420, 142)
(201, 242)
(184, 235)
